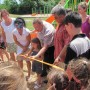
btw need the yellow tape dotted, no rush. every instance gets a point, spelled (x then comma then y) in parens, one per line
(54, 66)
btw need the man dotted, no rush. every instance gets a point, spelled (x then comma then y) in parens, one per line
(45, 33)
(61, 37)
(80, 43)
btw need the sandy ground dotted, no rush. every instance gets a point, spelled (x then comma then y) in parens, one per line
(30, 82)
(32, 79)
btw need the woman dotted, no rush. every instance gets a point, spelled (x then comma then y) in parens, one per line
(82, 9)
(7, 27)
(22, 39)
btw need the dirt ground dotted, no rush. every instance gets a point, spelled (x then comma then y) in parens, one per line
(30, 82)
(32, 79)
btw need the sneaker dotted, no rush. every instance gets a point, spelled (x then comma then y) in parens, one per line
(37, 86)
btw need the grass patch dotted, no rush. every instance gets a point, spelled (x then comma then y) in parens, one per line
(28, 20)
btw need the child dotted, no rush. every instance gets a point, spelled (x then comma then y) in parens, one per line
(80, 76)
(22, 39)
(57, 79)
(2, 49)
(80, 43)
(81, 70)
(36, 66)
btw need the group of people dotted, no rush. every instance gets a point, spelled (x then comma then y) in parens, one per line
(74, 77)
(69, 41)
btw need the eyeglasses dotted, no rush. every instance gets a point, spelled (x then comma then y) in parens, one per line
(18, 22)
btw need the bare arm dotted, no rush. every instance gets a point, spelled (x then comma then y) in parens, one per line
(29, 40)
(15, 39)
(89, 20)
(63, 52)
(42, 50)
(61, 55)
(3, 34)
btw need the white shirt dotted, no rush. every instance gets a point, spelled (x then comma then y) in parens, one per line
(21, 38)
(8, 31)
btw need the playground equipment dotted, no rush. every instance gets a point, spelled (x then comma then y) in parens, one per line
(73, 4)
(68, 4)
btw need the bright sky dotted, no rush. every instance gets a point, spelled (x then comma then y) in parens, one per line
(1, 1)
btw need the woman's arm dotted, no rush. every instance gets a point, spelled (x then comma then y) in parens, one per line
(15, 39)
(29, 40)
(3, 34)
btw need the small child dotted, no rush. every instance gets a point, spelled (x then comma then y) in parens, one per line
(2, 49)
(80, 68)
(36, 66)
(57, 80)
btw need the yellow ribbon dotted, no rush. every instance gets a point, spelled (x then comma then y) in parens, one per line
(52, 65)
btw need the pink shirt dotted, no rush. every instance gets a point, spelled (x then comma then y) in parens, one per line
(61, 38)
(86, 27)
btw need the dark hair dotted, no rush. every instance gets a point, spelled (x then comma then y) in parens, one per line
(74, 18)
(59, 78)
(59, 10)
(19, 19)
(37, 41)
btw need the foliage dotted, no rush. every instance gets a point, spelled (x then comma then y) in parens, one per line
(3, 6)
(25, 6)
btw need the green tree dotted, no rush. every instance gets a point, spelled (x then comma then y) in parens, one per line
(25, 6)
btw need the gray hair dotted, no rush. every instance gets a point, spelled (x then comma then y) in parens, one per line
(58, 10)
(37, 20)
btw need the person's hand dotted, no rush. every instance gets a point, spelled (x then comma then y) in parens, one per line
(34, 57)
(24, 49)
(26, 54)
(57, 60)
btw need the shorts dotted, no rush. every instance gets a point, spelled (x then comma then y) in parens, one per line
(11, 47)
(37, 67)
